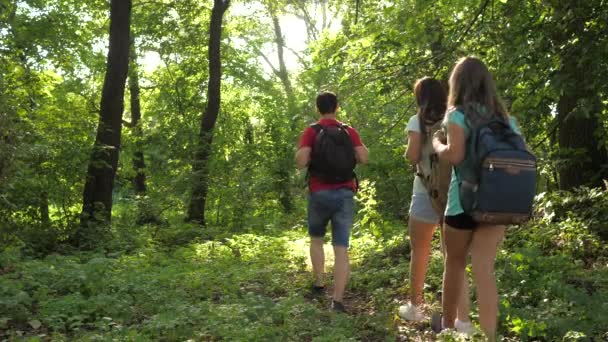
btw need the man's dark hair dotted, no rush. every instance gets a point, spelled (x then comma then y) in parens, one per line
(327, 102)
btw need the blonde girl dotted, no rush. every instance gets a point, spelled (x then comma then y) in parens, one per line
(472, 99)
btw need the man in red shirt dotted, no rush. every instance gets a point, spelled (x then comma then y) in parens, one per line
(330, 198)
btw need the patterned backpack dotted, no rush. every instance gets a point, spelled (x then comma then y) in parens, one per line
(437, 182)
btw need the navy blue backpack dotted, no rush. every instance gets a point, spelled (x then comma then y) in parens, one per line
(498, 175)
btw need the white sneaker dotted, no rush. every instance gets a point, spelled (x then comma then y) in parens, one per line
(466, 328)
(411, 313)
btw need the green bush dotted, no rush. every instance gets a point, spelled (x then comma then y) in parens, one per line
(216, 284)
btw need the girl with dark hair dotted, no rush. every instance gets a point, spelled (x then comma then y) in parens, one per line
(423, 218)
(472, 100)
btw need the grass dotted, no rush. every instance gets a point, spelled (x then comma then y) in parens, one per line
(245, 287)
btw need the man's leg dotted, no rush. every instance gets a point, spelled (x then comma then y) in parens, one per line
(341, 222)
(341, 272)
(317, 224)
(317, 257)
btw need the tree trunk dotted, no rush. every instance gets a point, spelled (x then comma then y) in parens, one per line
(139, 182)
(44, 208)
(282, 72)
(579, 109)
(200, 171)
(577, 133)
(304, 14)
(284, 164)
(97, 196)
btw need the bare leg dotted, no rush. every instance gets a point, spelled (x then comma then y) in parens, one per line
(317, 258)
(341, 269)
(457, 243)
(421, 234)
(464, 302)
(486, 240)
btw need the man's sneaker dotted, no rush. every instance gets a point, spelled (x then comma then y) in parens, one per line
(466, 328)
(338, 306)
(410, 312)
(317, 290)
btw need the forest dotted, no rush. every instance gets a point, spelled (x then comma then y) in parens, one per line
(148, 189)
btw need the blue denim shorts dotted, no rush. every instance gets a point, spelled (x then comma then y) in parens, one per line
(331, 205)
(421, 208)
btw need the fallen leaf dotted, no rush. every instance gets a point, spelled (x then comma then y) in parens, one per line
(35, 324)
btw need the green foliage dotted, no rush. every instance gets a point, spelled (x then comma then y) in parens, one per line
(554, 272)
(254, 286)
(244, 276)
(549, 296)
(371, 218)
(572, 223)
(255, 283)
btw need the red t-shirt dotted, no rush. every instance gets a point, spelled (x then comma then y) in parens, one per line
(308, 140)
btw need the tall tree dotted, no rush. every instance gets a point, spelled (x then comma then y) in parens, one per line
(200, 170)
(97, 196)
(139, 182)
(8, 136)
(284, 166)
(281, 72)
(576, 38)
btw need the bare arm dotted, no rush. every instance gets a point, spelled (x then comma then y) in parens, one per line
(303, 157)
(361, 154)
(454, 150)
(414, 147)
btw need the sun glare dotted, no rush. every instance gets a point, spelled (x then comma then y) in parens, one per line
(294, 32)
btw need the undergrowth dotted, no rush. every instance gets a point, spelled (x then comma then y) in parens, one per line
(176, 284)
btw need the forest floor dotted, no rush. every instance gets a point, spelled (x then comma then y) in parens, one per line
(252, 287)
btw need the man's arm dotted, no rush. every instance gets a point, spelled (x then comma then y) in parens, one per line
(303, 157)
(304, 148)
(361, 154)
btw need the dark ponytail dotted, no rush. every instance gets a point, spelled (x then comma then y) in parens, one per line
(431, 100)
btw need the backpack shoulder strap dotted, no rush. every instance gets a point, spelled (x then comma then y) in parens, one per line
(345, 128)
(317, 127)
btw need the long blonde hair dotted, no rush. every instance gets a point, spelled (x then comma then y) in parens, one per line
(472, 87)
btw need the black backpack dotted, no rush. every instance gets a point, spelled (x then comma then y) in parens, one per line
(332, 159)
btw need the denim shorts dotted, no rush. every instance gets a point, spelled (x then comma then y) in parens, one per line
(421, 208)
(331, 205)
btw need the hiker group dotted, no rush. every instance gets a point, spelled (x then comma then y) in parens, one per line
(474, 176)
